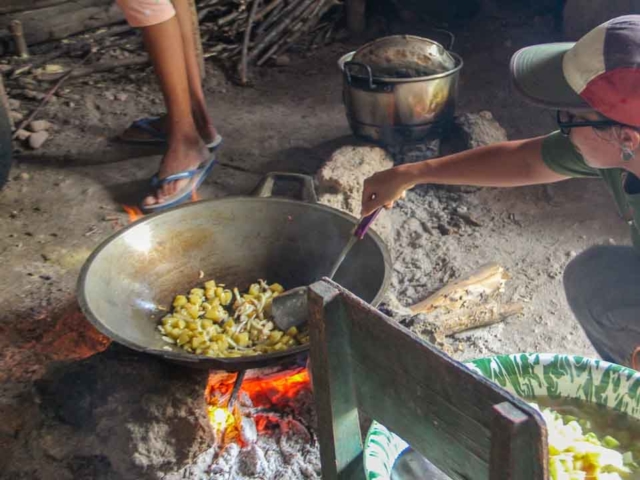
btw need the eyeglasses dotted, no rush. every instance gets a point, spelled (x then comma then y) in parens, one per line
(567, 121)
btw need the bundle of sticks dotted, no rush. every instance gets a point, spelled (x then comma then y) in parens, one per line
(245, 32)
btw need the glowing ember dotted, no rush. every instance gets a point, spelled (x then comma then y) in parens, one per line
(270, 396)
(194, 195)
(134, 212)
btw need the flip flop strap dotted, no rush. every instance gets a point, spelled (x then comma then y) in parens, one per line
(186, 174)
(145, 124)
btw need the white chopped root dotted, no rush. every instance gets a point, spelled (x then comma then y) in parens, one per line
(168, 340)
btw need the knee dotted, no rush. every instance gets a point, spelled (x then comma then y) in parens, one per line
(582, 268)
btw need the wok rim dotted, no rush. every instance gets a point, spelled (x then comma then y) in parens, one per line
(200, 361)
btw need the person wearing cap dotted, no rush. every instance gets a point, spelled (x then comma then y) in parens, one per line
(594, 84)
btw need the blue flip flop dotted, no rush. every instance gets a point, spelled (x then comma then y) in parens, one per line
(196, 175)
(159, 137)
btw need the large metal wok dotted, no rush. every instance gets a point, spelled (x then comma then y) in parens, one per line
(131, 276)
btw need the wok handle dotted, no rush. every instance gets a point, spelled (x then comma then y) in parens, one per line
(265, 187)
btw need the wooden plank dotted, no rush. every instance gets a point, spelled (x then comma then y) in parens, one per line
(337, 410)
(444, 410)
(15, 6)
(511, 456)
(60, 21)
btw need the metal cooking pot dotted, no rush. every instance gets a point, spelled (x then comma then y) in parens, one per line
(129, 278)
(391, 110)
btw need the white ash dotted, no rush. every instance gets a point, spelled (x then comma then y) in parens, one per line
(288, 452)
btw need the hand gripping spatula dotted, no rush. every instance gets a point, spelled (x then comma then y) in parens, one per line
(289, 309)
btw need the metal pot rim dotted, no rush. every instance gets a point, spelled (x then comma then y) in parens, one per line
(200, 361)
(459, 64)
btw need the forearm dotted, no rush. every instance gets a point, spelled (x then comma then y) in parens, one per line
(507, 164)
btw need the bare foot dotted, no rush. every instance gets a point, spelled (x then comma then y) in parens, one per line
(185, 154)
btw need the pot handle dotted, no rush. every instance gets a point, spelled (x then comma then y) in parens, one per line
(360, 65)
(265, 187)
(451, 36)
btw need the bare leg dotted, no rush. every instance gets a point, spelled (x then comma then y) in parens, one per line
(198, 103)
(186, 149)
(202, 120)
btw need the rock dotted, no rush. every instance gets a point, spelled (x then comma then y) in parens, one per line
(122, 96)
(282, 60)
(579, 17)
(109, 96)
(24, 176)
(14, 104)
(33, 95)
(480, 129)
(22, 135)
(40, 125)
(341, 178)
(16, 116)
(252, 461)
(37, 139)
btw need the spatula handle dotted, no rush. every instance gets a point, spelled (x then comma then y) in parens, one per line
(365, 223)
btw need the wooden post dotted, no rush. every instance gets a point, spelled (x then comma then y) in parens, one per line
(356, 19)
(197, 39)
(336, 406)
(18, 37)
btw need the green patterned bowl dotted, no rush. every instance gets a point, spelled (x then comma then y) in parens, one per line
(527, 375)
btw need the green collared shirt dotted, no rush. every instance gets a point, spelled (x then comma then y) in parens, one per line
(559, 154)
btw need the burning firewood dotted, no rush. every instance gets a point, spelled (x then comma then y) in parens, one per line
(468, 303)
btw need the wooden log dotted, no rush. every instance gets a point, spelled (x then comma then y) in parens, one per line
(15, 27)
(482, 283)
(476, 316)
(197, 39)
(62, 20)
(15, 6)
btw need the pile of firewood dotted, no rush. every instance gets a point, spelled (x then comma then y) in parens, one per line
(239, 33)
(248, 32)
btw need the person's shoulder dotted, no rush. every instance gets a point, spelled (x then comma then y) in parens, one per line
(561, 156)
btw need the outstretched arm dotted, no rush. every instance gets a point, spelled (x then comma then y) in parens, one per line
(506, 164)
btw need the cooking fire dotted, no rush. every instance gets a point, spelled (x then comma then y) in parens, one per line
(263, 424)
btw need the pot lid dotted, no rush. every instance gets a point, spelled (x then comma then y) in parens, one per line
(405, 56)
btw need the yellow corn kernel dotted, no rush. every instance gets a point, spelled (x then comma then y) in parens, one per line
(210, 284)
(183, 338)
(226, 297)
(181, 324)
(168, 321)
(215, 314)
(197, 291)
(179, 301)
(197, 341)
(292, 332)
(276, 288)
(192, 310)
(195, 300)
(219, 291)
(206, 306)
(206, 324)
(193, 326)
(274, 337)
(210, 293)
(242, 339)
(222, 345)
(174, 333)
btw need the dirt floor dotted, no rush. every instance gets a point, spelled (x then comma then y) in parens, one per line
(65, 198)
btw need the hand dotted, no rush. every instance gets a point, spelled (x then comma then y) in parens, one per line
(383, 189)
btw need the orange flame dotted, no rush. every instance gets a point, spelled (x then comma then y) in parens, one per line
(134, 213)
